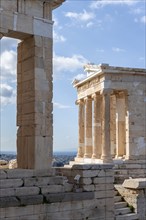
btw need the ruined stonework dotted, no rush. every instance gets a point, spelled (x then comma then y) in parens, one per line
(112, 114)
(133, 192)
(31, 22)
(57, 194)
(84, 189)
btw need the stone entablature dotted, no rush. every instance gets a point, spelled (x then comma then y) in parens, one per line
(112, 117)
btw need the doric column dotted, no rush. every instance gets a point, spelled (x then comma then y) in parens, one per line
(97, 127)
(88, 127)
(120, 124)
(106, 148)
(81, 127)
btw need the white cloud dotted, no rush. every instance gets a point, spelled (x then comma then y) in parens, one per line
(143, 19)
(7, 94)
(90, 24)
(70, 64)
(137, 11)
(58, 38)
(80, 76)
(84, 16)
(102, 3)
(118, 50)
(55, 21)
(57, 27)
(61, 106)
(8, 44)
(8, 64)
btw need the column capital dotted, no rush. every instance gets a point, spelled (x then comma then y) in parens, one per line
(94, 96)
(79, 101)
(87, 98)
(120, 92)
(106, 91)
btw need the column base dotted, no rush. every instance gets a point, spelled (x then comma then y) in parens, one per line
(82, 160)
(96, 156)
(87, 156)
(106, 159)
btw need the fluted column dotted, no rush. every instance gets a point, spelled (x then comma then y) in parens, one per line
(120, 124)
(97, 127)
(106, 148)
(88, 127)
(127, 127)
(81, 127)
(113, 124)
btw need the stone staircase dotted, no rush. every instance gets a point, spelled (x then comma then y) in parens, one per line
(122, 210)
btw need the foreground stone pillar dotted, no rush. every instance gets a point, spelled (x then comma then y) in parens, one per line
(81, 135)
(34, 103)
(97, 127)
(31, 22)
(106, 147)
(88, 127)
(120, 125)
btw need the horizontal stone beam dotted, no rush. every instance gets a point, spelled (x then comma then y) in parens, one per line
(13, 201)
(65, 197)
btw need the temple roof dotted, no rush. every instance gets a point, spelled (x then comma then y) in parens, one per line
(94, 70)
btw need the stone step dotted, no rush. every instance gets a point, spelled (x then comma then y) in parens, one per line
(118, 198)
(119, 205)
(131, 216)
(116, 193)
(122, 211)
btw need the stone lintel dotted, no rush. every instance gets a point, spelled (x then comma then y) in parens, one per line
(22, 26)
(139, 183)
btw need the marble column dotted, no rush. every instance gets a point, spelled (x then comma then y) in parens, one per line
(88, 127)
(106, 145)
(127, 127)
(120, 125)
(113, 124)
(81, 135)
(97, 127)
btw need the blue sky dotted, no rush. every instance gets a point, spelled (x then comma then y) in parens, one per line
(105, 31)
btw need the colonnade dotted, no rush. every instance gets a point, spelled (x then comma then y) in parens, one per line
(102, 125)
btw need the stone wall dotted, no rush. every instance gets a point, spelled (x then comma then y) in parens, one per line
(134, 193)
(125, 169)
(80, 192)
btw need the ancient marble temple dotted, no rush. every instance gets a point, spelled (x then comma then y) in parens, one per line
(112, 114)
